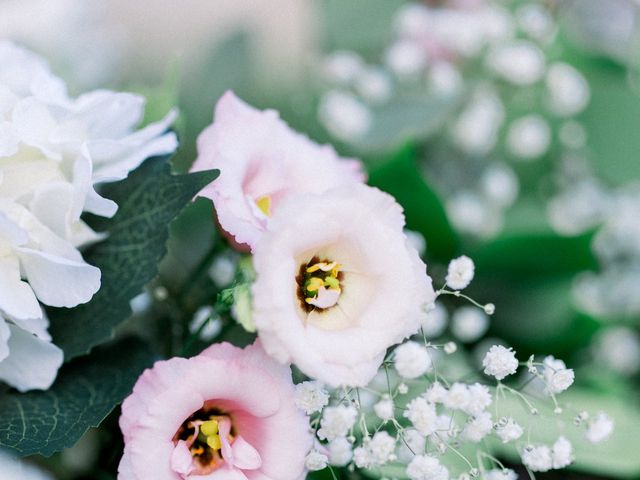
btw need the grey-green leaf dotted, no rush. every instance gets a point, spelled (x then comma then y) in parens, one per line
(86, 390)
(149, 199)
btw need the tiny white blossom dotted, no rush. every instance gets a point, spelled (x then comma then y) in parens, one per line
(422, 415)
(311, 397)
(450, 348)
(344, 116)
(509, 430)
(315, 461)
(412, 444)
(460, 272)
(444, 79)
(468, 324)
(336, 422)
(381, 448)
(426, 467)
(599, 428)
(362, 458)
(520, 62)
(340, 452)
(568, 89)
(480, 399)
(499, 474)
(223, 270)
(405, 58)
(458, 397)
(562, 453)
(557, 376)
(412, 360)
(342, 67)
(478, 427)
(436, 393)
(205, 323)
(537, 458)
(384, 409)
(500, 362)
(374, 85)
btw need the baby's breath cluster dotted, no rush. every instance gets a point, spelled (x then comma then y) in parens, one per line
(427, 409)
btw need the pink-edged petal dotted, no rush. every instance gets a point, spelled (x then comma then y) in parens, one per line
(245, 456)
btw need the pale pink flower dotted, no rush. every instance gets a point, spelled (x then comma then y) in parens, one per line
(226, 414)
(262, 163)
(338, 283)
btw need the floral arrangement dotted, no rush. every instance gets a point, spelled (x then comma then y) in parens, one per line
(343, 365)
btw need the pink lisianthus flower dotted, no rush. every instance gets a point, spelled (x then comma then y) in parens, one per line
(338, 283)
(226, 414)
(262, 162)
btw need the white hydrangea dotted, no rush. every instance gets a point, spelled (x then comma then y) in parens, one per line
(480, 399)
(529, 137)
(426, 467)
(599, 428)
(458, 397)
(460, 272)
(316, 461)
(500, 362)
(434, 321)
(562, 453)
(422, 415)
(311, 397)
(557, 377)
(340, 452)
(337, 421)
(537, 458)
(411, 360)
(468, 323)
(55, 150)
(508, 430)
(478, 427)
(384, 409)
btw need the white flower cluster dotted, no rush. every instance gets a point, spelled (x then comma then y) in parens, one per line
(54, 151)
(411, 414)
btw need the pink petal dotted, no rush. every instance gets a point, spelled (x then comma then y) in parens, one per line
(244, 455)
(181, 459)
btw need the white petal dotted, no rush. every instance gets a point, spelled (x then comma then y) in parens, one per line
(32, 363)
(16, 297)
(5, 334)
(59, 282)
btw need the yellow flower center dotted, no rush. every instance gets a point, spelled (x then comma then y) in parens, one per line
(319, 284)
(264, 204)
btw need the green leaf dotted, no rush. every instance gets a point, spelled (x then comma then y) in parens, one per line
(617, 456)
(422, 207)
(149, 199)
(84, 393)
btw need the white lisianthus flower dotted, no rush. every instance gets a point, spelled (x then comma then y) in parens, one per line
(338, 284)
(263, 163)
(557, 377)
(54, 149)
(460, 272)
